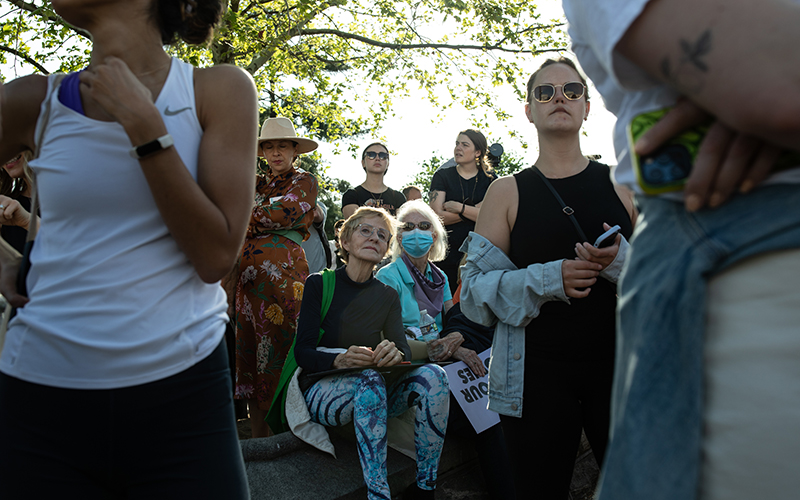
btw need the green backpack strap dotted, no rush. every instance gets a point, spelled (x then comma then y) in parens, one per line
(276, 417)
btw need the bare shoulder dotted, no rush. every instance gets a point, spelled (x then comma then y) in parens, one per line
(224, 88)
(22, 100)
(498, 212)
(31, 87)
(224, 83)
(504, 186)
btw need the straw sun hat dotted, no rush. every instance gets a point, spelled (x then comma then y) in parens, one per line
(277, 129)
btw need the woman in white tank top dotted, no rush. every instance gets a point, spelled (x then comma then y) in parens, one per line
(145, 173)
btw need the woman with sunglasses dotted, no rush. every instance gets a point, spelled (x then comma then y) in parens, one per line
(373, 192)
(420, 242)
(457, 193)
(361, 312)
(421, 285)
(533, 270)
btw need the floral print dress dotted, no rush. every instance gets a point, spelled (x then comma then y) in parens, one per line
(272, 273)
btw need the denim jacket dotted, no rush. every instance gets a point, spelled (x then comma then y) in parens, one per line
(495, 291)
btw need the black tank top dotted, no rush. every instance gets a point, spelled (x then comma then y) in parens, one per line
(583, 329)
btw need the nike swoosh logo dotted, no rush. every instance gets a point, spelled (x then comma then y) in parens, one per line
(169, 112)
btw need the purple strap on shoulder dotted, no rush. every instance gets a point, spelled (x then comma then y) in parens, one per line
(69, 93)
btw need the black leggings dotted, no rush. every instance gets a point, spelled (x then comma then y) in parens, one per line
(173, 438)
(560, 398)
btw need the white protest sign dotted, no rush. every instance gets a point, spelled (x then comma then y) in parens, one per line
(472, 392)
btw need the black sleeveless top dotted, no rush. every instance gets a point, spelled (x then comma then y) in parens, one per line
(585, 328)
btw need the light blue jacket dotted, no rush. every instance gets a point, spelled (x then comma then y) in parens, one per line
(495, 291)
(397, 276)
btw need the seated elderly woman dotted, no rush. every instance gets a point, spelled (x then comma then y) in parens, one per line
(422, 286)
(341, 325)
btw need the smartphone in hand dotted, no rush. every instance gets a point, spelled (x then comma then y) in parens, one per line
(667, 168)
(607, 239)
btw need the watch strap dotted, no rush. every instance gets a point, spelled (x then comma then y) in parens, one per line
(154, 146)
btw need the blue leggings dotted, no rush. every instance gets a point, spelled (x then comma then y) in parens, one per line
(362, 396)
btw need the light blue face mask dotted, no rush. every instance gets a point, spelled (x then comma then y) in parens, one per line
(416, 243)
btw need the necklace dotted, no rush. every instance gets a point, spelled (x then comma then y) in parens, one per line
(474, 186)
(146, 73)
(377, 201)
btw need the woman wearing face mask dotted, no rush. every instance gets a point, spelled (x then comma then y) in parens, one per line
(421, 285)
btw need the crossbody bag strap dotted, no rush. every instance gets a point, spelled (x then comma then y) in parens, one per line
(328, 285)
(564, 207)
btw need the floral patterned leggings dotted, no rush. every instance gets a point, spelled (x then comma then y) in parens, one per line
(364, 397)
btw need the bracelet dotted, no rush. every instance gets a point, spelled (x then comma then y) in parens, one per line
(154, 146)
(463, 206)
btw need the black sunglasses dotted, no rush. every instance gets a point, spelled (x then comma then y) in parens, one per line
(546, 91)
(372, 154)
(424, 225)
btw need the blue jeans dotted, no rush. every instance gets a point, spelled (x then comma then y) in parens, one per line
(363, 398)
(657, 402)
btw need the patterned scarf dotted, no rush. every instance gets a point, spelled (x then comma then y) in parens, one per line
(429, 294)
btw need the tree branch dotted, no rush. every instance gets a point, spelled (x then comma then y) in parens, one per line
(37, 11)
(407, 46)
(25, 5)
(297, 29)
(26, 58)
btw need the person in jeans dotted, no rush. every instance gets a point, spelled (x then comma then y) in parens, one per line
(705, 396)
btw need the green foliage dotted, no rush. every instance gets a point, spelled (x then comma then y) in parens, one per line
(312, 58)
(330, 189)
(424, 176)
(315, 60)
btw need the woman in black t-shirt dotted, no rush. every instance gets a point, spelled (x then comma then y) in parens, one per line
(457, 193)
(373, 192)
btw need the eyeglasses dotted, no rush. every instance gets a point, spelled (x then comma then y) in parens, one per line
(424, 225)
(367, 231)
(373, 154)
(546, 91)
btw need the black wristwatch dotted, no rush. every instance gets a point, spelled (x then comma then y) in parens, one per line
(154, 146)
